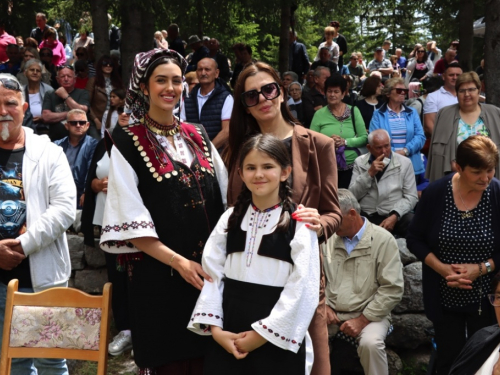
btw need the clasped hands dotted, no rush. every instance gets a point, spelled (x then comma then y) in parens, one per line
(460, 275)
(11, 254)
(351, 327)
(238, 344)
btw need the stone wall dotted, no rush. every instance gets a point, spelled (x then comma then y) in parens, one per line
(410, 341)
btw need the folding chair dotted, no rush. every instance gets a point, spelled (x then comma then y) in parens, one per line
(56, 323)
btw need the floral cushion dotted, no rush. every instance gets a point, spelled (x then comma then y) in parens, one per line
(55, 327)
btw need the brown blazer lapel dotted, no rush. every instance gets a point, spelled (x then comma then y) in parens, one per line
(300, 156)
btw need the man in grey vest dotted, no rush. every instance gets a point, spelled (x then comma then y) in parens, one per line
(209, 103)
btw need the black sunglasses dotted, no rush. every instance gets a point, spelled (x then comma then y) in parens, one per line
(107, 63)
(269, 92)
(80, 54)
(420, 51)
(75, 123)
(401, 91)
(66, 67)
(45, 55)
(10, 84)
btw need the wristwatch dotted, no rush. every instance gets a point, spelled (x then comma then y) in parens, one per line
(488, 266)
(407, 153)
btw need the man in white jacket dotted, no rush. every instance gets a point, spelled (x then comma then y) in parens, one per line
(37, 205)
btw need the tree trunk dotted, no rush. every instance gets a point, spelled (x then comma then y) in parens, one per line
(131, 37)
(284, 36)
(200, 18)
(99, 12)
(466, 33)
(492, 52)
(148, 26)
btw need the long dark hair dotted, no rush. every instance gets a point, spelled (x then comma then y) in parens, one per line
(121, 94)
(100, 81)
(242, 124)
(276, 150)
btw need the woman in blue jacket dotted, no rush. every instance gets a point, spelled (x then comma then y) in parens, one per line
(402, 123)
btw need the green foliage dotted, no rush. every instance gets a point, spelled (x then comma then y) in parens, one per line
(365, 24)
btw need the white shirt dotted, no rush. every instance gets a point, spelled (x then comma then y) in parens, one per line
(439, 99)
(295, 308)
(36, 104)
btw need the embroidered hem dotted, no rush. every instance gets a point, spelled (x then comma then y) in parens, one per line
(278, 335)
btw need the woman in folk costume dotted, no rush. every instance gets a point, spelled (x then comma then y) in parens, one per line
(265, 273)
(166, 192)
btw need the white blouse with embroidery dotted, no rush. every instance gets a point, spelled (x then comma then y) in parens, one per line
(292, 314)
(125, 216)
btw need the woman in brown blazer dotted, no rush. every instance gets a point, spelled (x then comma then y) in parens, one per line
(260, 107)
(107, 78)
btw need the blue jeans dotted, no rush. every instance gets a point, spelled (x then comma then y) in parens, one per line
(30, 366)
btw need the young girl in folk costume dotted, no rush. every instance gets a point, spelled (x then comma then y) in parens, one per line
(110, 116)
(265, 273)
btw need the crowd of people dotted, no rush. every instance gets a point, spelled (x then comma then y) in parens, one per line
(257, 207)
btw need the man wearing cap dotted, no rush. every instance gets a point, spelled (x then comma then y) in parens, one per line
(379, 64)
(199, 52)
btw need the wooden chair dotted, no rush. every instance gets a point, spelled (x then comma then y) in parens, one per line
(56, 323)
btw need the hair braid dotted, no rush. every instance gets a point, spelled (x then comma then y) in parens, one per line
(285, 194)
(244, 199)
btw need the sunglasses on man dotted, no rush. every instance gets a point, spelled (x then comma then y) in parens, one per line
(270, 91)
(75, 123)
(10, 84)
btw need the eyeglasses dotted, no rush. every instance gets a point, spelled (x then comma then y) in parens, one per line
(60, 67)
(420, 51)
(107, 63)
(469, 91)
(269, 92)
(75, 123)
(10, 84)
(494, 299)
(401, 91)
(46, 54)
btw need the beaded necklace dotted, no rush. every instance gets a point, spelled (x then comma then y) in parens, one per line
(258, 220)
(160, 129)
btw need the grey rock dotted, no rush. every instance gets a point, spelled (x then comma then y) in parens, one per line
(410, 331)
(417, 359)
(94, 257)
(413, 297)
(76, 252)
(91, 281)
(406, 256)
(394, 362)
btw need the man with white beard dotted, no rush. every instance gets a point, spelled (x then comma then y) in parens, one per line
(37, 205)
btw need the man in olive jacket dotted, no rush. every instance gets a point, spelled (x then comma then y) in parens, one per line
(364, 283)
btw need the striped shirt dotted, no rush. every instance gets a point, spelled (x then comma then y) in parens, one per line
(397, 124)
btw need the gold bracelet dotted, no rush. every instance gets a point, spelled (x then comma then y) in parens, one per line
(170, 264)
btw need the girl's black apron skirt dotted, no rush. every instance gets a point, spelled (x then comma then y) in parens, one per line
(243, 304)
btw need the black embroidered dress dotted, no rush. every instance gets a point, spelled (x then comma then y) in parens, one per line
(150, 194)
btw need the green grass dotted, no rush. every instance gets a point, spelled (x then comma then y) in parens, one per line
(116, 366)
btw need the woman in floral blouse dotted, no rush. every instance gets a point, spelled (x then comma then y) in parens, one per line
(457, 122)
